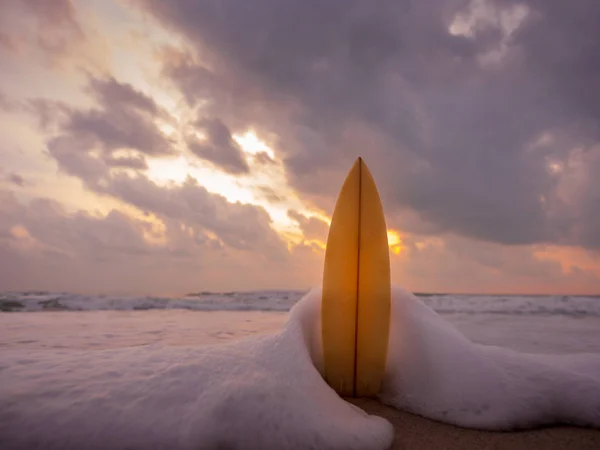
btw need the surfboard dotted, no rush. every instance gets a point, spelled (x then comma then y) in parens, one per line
(356, 289)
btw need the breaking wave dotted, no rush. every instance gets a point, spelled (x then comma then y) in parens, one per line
(284, 300)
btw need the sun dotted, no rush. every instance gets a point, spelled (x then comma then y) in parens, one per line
(252, 145)
(394, 242)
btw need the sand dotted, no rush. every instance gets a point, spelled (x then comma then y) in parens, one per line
(415, 432)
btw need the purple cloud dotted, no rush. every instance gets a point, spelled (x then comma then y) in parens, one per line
(448, 122)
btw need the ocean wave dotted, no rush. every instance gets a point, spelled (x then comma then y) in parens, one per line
(204, 301)
(564, 305)
(34, 301)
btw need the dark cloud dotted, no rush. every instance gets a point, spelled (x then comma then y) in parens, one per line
(270, 194)
(55, 249)
(449, 123)
(48, 113)
(124, 119)
(575, 204)
(137, 162)
(43, 246)
(115, 95)
(73, 155)
(218, 146)
(558, 43)
(87, 143)
(240, 226)
(119, 133)
(49, 228)
(196, 82)
(312, 227)
(16, 179)
(263, 158)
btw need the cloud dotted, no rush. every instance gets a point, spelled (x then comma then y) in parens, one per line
(137, 162)
(8, 43)
(445, 100)
(118, 132)
(51, 27)
(44, 246)
(85, 252)
(218, 146)
(263, 158)
(196, 82)
(462, 265)
(55, 12)
(16, 179)
(125, 119)
(96, 144)
(72, 153)
(48, 113)
(574, 202)
(240, 226)
(478, 120)
(312, 227)
(6, 104)
(270, 194)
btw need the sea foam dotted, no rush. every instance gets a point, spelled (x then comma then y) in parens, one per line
(267, 392)
(435, 371)
(263, 392)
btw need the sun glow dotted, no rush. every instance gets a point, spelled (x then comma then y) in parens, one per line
(394, 241)
(265, 185)
(252, 145)
(20, 232)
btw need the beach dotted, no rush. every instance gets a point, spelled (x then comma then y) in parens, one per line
(116, 350)
(413, 432)
(219, 219)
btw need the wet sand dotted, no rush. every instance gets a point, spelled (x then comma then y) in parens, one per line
(415, 432)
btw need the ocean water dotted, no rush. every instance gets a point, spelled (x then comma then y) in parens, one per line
(559, 305)
(545, 324)
(213, 370)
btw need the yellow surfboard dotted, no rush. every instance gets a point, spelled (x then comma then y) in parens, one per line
(356, 289)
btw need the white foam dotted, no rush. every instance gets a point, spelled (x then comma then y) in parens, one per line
(435, 371)
(266, 392)
(259, 393)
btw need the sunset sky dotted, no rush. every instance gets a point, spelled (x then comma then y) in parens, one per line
(162, 147)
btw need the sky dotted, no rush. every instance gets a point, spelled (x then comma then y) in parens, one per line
(153, 147)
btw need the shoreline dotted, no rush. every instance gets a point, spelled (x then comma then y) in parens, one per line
(416, 432)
